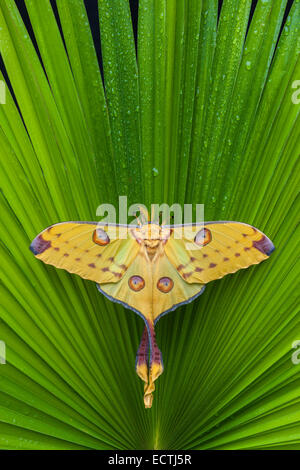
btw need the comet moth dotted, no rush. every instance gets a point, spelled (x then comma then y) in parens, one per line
(151, 269)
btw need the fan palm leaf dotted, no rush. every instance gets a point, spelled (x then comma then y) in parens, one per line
(205, 112)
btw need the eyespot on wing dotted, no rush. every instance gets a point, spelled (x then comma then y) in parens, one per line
(100, 237)
(203, 237)
(136, 283)
(165, 284)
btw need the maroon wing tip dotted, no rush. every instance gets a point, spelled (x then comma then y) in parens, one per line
(264, 245)
(39, 245)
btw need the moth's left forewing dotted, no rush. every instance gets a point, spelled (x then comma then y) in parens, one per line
(211, 250)
(94, 251)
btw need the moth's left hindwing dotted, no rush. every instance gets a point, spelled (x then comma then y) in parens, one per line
(91, 250)
(203, 253)
(135, 289)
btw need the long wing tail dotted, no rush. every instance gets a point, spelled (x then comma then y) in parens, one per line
(149, 366)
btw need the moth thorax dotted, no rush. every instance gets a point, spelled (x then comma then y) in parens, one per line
(150, 235)
(147, 232)
(152, 246)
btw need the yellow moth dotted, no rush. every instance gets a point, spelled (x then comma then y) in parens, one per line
(153, 269)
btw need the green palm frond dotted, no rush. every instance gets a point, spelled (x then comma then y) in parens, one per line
(203, 113)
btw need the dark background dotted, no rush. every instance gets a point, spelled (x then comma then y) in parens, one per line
(92, 11)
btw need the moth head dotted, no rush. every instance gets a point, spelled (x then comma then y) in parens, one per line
(147, 232)
(151, 235)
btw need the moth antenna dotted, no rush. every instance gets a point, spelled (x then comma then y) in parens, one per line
(152, 213)
(144, 215)
(164, 221)
(138, 220)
